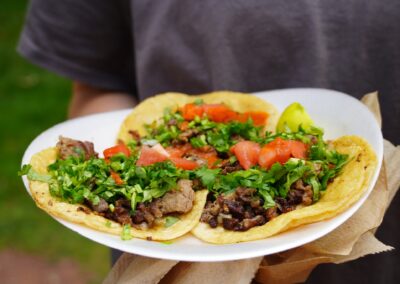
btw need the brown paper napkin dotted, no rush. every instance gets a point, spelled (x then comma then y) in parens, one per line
(291, 266)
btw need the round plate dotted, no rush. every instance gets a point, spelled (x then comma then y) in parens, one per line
(338, 114)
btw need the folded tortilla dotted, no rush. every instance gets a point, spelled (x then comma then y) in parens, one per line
(81, 214)
(153, 108)
(344, 191)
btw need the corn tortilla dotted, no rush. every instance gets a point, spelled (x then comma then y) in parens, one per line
(343, 192)
(73, 213)
(153, 108)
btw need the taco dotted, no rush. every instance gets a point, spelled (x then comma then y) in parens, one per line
(110, 194)
(223, 107)
(299, 192)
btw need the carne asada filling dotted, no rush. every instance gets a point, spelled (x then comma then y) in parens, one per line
(146, 214)
(115, 187)
(243, 209)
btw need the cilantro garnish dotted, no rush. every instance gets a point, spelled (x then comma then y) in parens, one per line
(126, 233)
(170, 220)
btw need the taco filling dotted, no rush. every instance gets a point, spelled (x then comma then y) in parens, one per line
(264, 179)
(252, 176)
(115, 187)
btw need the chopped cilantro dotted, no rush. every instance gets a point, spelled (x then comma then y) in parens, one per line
(198, 141)
(33, 175)
(170, 220)
(207, 176)
(126, 233)
(198, 102)
(24, 170)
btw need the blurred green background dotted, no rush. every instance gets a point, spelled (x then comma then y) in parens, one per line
(32, 100)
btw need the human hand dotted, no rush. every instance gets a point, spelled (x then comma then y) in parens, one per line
(89, 100)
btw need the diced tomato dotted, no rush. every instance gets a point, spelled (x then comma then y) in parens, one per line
(259, 117)
(209, 156)
(281, 150)
(298, 149)
(175, 152)
(116, 178)
(267, 157)
(190, 111)
(247, 153)
(149, 156)
(179, 151)
(184, 163)
(211, 160)
(219, 113)
(275, 151)
(120, 148)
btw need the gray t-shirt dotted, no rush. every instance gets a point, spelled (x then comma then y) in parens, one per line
(147, 47)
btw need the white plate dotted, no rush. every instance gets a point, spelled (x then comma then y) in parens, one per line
(337, 113)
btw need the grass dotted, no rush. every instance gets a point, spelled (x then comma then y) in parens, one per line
(32, 100)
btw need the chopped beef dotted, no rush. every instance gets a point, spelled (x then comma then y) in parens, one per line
(295, 196)
(313, 139)
(148, 217)
(237, 138)
(211, 211)
(138, 217)
(213, 222)
(121, 215)
(135, 135)
(197, 184)
(230, 223)
(243, 209)
(227, 167)
(223, 155)
(237, 211)
(101, 207)
(271, 213)
(123, 202)
(245, 194)
(207, 149)
(172, 121)
(176, 201)
(301, 193)
(177, 142)
(258, 220)
(155, 209)
(69, 147)
(235, 208)
(84, 209)
(284, 205)
(187, 134)
(256, 202)
(248, 212)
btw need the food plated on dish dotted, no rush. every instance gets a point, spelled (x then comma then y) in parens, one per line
(209, 164)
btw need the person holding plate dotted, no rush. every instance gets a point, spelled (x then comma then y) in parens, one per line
(119, 52)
